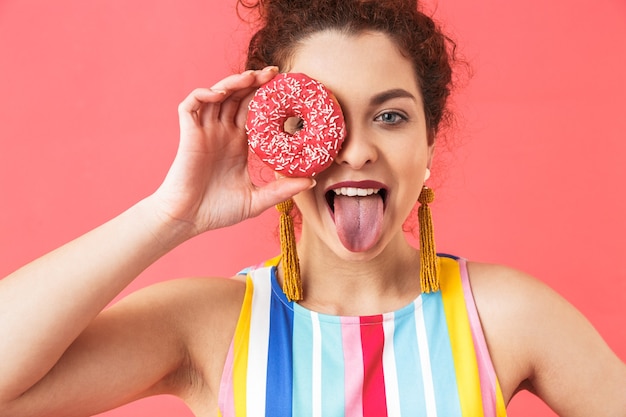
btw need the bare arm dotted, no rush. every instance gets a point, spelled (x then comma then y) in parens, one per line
(149, 343)
(541, 343)
(47, 305)
(49, 302)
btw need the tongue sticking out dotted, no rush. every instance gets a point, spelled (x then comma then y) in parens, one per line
(359, 221)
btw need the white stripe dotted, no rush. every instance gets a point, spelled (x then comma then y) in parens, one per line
(427, 374)
(389, 367)
(258, 347)
(317, 366)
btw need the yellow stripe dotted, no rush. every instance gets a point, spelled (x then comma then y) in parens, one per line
(466, 368)
(240, 347)
(272, 262)
(500, 406)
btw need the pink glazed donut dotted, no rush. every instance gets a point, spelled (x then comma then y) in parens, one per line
(309, 150)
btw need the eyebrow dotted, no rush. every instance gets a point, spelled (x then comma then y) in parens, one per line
(380, 98)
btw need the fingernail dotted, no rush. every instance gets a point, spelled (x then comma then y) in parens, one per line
(271, 68)
(218, 91)
(248, 72)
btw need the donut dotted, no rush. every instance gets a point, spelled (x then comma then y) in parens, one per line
(307, 151)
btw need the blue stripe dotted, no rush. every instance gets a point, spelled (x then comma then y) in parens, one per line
(412, 399)
(280, 358)
(442, 363)
(333, 387)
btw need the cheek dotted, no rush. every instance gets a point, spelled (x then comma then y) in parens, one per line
(306, 202)
(412, 165)
(412, 173)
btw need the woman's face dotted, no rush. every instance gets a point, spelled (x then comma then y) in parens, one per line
(361, 201)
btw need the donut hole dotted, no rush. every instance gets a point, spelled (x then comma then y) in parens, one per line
(293, 124)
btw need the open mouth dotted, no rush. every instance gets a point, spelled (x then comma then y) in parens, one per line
(358, 209)
(353, 192)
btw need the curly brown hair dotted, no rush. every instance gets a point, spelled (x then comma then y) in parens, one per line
(286, 23)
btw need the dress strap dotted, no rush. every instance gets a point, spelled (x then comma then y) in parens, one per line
(493, 400)
(460, 333)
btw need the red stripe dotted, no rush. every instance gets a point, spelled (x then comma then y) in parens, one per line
(372, 340)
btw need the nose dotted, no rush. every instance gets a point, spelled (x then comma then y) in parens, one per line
(358, 149)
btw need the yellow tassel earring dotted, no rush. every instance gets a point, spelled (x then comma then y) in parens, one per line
(292, 284)
(429, 263)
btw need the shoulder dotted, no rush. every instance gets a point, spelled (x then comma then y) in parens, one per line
(511, 305)
(192, 308)
(538, 341)
(508, 303)
(501, 291)
(201, 308)
(198, 314)
(180, 298)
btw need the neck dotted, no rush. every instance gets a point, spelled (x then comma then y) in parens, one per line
(362, 285)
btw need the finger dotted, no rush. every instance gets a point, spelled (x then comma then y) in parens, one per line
(228, 92)
(237, 105)
(200, 96)
(240, 118)
(233, 105)
(278, 191)
(231, 86)
(203, 104)
(189, 108)
(235, 82)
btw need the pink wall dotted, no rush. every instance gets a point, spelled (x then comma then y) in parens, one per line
(88, 126)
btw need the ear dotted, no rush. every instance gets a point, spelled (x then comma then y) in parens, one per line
(431, 155)
(429, 161)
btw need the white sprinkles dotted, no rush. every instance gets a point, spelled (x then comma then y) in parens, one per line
(309, 150)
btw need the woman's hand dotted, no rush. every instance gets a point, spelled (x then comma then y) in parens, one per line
(208, 185)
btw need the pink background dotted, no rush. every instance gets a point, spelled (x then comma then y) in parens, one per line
(534, 179)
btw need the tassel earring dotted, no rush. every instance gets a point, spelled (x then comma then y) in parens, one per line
(429, 263)
(292, 284)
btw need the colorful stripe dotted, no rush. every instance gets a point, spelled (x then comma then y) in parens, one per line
(241, 343)
(258, 349)
(280, 357)
(442, 373)
(333, 386)
(372, 344)
(493, 401)
(316, 367)
(426, 359)
(460, 333)
(353, 366)
(411, 390)
(389, 367)
(303, 354)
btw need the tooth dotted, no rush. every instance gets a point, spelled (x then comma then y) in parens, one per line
(353, 191)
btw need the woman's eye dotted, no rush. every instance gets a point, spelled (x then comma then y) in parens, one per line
(391, 118)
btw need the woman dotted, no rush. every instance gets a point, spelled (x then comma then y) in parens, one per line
(72, 359)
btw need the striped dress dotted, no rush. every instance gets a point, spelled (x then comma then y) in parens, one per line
(428, 358)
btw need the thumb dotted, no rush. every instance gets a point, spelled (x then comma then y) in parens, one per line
(278, 191)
